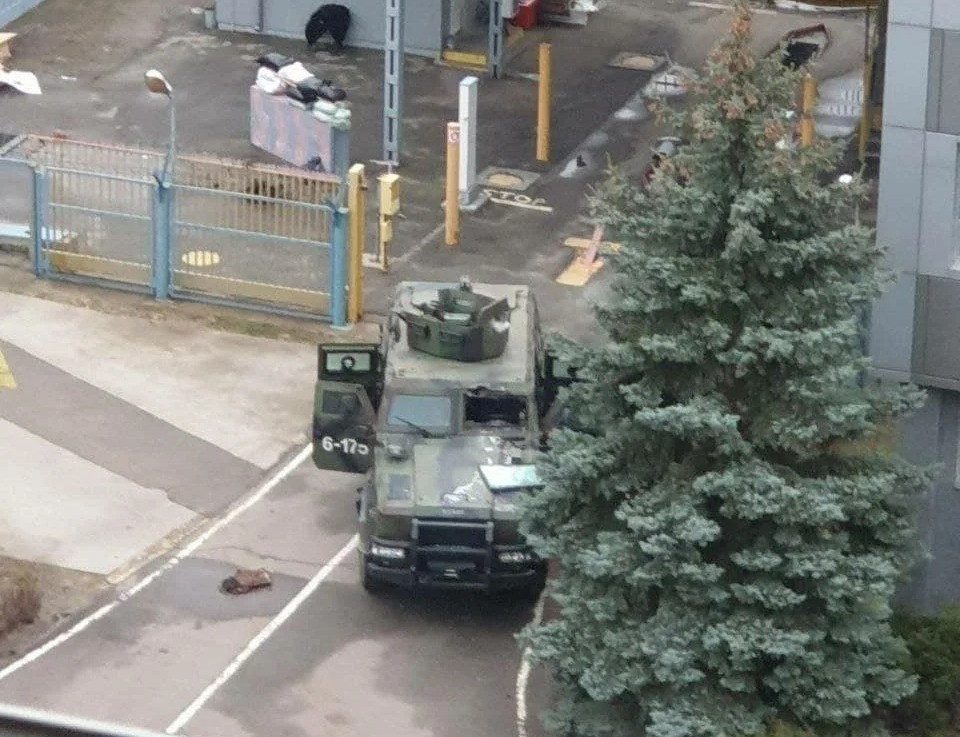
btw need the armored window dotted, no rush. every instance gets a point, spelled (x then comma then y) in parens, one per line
(413, 410)
(494, 409)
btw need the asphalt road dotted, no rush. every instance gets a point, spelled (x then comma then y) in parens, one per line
(341, 662)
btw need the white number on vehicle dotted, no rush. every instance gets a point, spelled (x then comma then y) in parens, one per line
(350, 446)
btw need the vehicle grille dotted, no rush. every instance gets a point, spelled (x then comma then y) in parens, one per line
(449, 535)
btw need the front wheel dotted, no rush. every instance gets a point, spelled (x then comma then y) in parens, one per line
(370, 585)
(533, 590)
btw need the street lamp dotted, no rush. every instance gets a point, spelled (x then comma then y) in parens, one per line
(846, 180)
(158, 85)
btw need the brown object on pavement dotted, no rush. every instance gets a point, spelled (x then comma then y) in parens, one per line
(246, 580)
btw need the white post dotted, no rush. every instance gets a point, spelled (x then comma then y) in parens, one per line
(468, 138)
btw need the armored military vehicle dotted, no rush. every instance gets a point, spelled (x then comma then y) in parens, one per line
(444, 416)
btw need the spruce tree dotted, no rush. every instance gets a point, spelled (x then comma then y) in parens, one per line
(726, 532)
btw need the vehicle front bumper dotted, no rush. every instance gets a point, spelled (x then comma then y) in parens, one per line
(455, 568)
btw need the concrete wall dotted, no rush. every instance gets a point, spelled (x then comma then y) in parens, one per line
(10, 10)
(424, 21)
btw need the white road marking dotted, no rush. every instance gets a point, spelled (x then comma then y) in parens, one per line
(186, 552)
(525, 205)
(523, 675)
(187, 714)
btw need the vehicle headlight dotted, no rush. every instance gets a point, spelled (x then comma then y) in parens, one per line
(514, 556)
(384, 551)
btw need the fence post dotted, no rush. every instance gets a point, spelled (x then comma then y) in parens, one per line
(160, 258)
(39, 256)
(356, 204)
(338, 269)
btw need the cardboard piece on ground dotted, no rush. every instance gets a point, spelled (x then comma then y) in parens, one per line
(579, 272)
(6, 40)
(585, 243)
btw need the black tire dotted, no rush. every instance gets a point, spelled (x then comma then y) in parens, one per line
(370, 585)
(532, 592)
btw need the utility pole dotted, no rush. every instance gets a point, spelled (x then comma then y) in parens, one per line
(393, 79)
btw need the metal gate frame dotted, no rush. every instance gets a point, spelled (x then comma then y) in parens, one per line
(53, 157)
(28, 232)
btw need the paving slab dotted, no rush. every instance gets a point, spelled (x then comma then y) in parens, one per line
(61, 510)
(249, 396)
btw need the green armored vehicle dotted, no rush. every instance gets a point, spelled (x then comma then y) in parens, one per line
(444, 416)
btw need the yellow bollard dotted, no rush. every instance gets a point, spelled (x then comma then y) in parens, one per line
(452, 221)
(389, 207)
(806, 119)
(543, 103)
(356, 203)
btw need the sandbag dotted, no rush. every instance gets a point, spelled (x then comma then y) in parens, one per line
(294, 73)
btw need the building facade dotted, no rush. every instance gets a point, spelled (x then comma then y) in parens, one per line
(915, 326)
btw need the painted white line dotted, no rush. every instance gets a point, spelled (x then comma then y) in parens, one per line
(187, 714)
(523, 675)
(185, 552)
(528, 206)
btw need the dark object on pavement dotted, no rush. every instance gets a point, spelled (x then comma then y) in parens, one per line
(803, 45)
(321, 88)
(331, 18)
(665, 148)
(246, 580)
(274, 61)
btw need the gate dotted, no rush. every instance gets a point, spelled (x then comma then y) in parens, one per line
(254, 236)
(97, 227)
(17, 197)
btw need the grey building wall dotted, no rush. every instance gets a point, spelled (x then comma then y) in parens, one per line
(10, 10)
(423, 26)
(915, 326)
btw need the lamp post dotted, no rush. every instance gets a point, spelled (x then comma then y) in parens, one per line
(158, 85)
(846, 180)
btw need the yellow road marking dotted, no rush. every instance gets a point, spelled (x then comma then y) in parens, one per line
(6, 375)
(201, 258)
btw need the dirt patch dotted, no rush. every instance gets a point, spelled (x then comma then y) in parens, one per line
(59, 594)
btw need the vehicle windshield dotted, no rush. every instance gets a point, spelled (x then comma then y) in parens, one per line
(420, 411)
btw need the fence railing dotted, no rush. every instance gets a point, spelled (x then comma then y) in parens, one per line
(258, 236)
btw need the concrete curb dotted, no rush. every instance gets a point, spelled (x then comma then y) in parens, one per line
(802, 7)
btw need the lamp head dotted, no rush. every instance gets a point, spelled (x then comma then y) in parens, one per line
(157, 83)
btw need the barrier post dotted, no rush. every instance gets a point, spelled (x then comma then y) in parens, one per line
(543, 103)
(357, 206)
(452, 221)
(809, 100)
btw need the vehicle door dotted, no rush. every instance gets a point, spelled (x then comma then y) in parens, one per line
(348, 387)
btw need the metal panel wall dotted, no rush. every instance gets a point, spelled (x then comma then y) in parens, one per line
(10, 10)
(287, 18)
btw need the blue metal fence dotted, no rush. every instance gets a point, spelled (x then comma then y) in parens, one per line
(275, 242)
